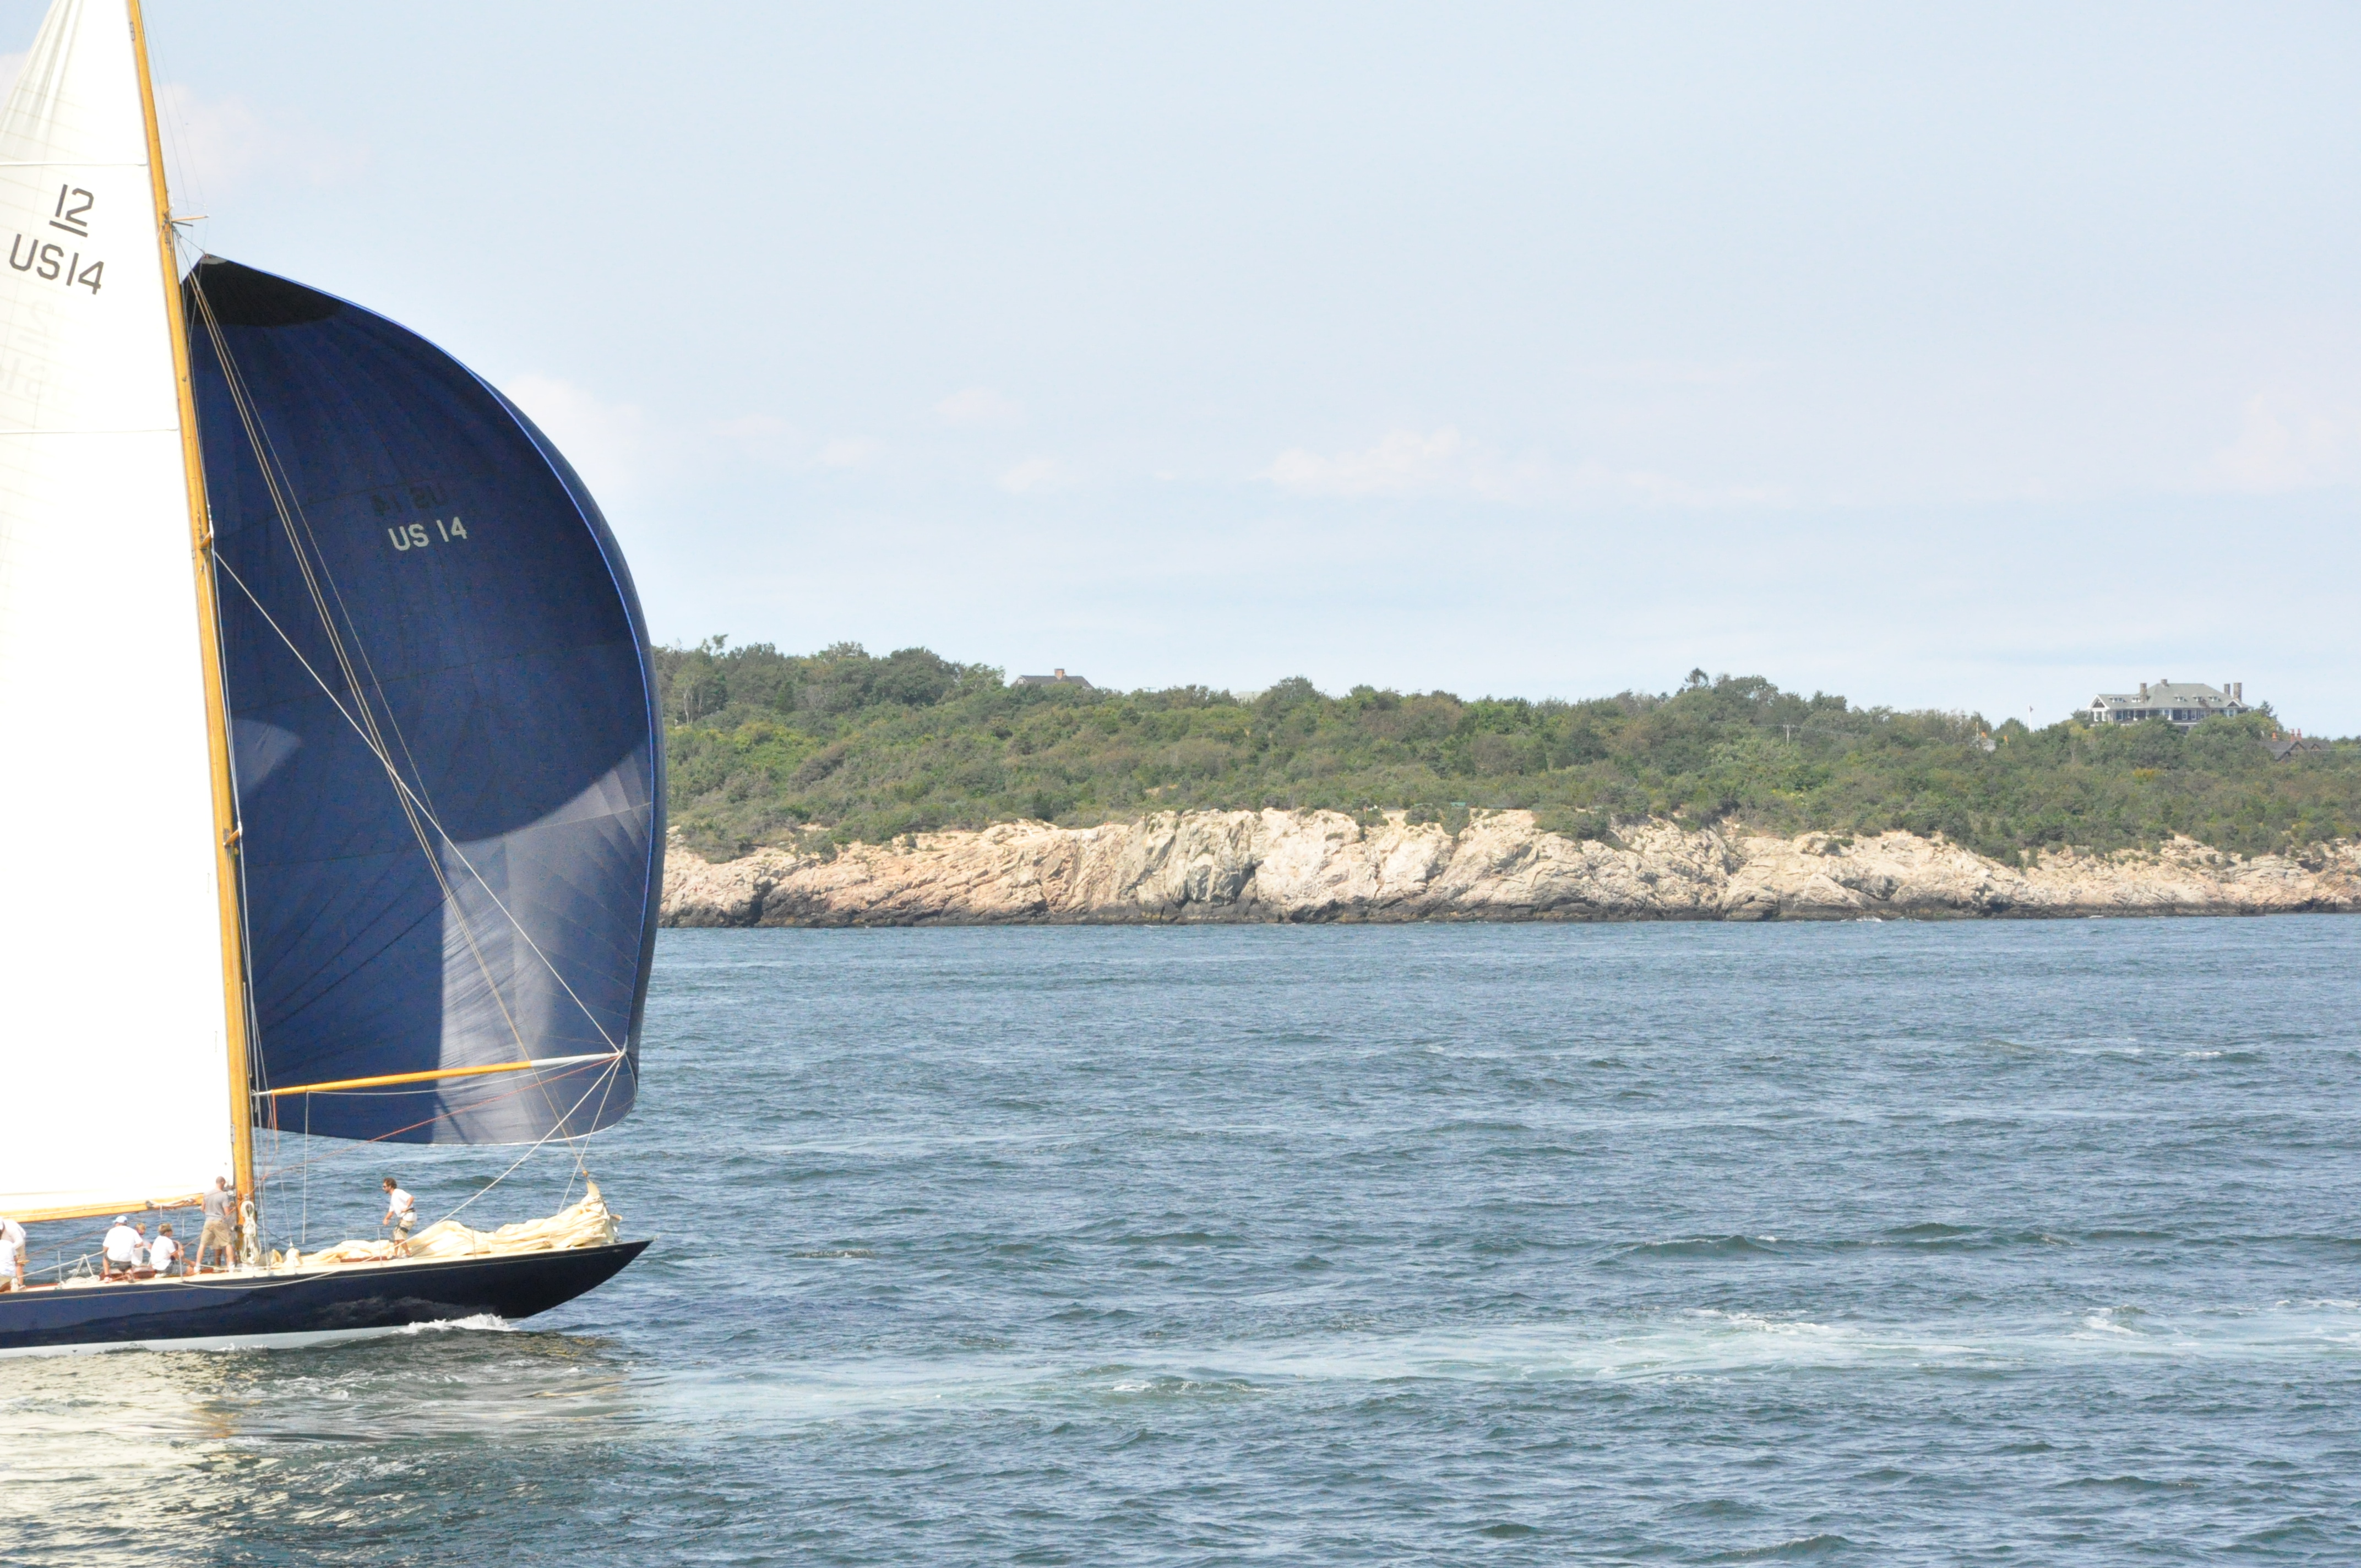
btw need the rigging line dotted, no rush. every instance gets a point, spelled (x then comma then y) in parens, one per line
(231, 573)
(289, 516)
(172, 135)
(577, 1146)
(528, 1154)
(598, 1116)
(298, 531)
(353, 1145)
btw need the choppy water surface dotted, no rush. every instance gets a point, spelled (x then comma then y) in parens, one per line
(1677, 1243)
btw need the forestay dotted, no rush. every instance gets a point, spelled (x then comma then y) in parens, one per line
(445, 727)
(111, 970)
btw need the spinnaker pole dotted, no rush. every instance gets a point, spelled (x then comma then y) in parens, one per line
(226, 834)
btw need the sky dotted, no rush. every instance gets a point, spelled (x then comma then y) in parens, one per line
(1962, 358)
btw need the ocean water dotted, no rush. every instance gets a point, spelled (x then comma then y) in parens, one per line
(1879, 1243)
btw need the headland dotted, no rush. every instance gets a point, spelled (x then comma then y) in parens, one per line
(1298, 866)
(844, 788)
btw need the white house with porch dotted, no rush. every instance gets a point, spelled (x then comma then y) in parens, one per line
(2180, 702)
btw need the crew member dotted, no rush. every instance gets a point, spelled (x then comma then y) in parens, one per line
(12, 1244)
(121, 1249)
(402, 1213)
(164, 1251)
(216, 1232)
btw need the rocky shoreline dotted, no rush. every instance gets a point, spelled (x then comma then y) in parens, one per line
(1269, 866)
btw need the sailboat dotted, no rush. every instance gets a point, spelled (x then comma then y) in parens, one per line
(333, 766)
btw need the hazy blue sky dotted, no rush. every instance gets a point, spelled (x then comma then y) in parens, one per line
(1946, 357)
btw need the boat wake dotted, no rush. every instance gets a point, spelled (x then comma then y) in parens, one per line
(482, 1323)
(1700, 1344)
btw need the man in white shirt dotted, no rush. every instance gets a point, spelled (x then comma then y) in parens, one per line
(122, 1250)
(402, 1213)
(164, 1251)
(12, 1260)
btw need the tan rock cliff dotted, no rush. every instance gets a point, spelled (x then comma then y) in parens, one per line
(1321, 865)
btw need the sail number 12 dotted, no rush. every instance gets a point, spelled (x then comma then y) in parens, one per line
(27, 253)
(413, 536)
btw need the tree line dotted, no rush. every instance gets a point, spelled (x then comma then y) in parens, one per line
(842, 746)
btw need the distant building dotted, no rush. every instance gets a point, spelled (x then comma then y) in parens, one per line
(1060, 679)
(2180, 702)
(2295, 745)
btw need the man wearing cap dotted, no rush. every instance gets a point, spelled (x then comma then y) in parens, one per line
(216, 1232)
(122, 1250)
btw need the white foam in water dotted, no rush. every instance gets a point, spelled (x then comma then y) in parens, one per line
(482, 1323)
(1703, 1342)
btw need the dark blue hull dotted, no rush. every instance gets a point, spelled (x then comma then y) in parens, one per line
(287, 1309)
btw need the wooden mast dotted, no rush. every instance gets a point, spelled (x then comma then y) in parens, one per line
(200, 536)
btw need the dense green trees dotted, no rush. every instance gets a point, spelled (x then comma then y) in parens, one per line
(842, 745)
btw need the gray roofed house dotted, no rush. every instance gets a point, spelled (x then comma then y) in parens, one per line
(2180, 702)
(2288, 746)
(1060, 679)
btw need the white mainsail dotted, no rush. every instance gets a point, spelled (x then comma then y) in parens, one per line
(114, 1059)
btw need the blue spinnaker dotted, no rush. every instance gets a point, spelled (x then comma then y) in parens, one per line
(448, 756)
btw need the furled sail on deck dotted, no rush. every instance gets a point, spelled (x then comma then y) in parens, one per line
(112, 1051)
(448, 761)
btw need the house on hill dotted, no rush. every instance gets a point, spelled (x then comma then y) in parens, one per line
(2296, 745)
(1060, 679)
(2180, 702)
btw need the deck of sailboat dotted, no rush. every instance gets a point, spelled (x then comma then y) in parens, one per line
(244, 1308)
